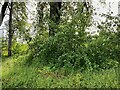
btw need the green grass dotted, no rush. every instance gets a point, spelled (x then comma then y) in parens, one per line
(15, 73)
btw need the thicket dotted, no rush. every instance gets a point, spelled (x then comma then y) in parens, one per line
(73, 48)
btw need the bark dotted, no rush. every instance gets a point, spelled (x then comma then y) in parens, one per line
(54, 16)
(10, 32)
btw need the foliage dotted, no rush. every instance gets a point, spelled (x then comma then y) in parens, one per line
(67, 49)
(20, 25)
(101, 53)
(69, 59)
(73, 49)
(17, 75)
(110, 31)
(19, 48)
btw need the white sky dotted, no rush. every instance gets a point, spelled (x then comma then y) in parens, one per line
(99, 9)
(103, 8)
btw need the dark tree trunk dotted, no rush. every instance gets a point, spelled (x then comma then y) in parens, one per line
(10, 31)
(54, 16)
(4, 6)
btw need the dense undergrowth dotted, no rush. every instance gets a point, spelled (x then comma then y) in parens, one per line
(66, 49)
(66, 60)
(69, 59)
(17, 74)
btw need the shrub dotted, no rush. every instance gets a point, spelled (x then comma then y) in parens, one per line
(66, 49)
(18, 48)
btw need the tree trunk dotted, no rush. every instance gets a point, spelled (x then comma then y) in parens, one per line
(54, 16)
(10, 32)
(2, 14)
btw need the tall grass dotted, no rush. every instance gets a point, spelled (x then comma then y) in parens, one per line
(16, 74)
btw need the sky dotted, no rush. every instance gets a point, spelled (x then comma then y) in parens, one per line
(99, 9)
(103, 8)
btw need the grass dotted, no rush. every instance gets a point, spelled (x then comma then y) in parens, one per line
(16, 74)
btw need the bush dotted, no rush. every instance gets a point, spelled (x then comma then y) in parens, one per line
(18, 48)
(73, 49)
(66, 49)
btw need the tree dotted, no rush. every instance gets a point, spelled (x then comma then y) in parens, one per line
(65, 48)
(54, 16)
(17, 24)
(4, 6)
(11, 31)
(20, 24)
(39, 17)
